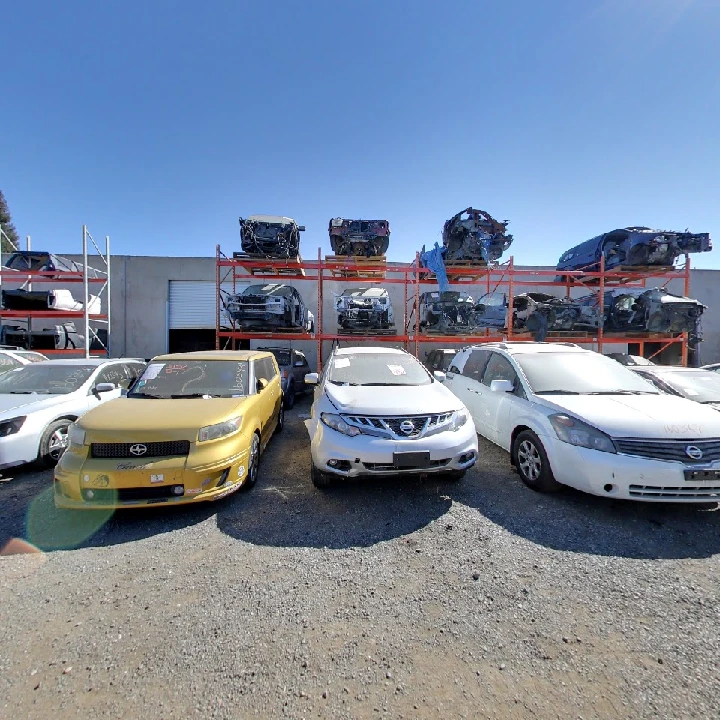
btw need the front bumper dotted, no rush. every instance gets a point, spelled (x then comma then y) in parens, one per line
(628, 478)
(122, 483)
(21, 447)
(372, 456)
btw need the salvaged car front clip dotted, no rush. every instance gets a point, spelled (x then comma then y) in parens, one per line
(447, 312)
(270, 236)
(475, 235)
(360, 238)
(364, 309)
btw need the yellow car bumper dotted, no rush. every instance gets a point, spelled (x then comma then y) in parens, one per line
(101, 484)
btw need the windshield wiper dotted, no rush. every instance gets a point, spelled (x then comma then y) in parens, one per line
(340, 382)
(622, 392)
(557, 392)
(21, 392)
(192, 395)
(147, 395)
(388, 385)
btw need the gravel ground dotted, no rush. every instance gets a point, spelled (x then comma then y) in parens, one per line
(402, 598)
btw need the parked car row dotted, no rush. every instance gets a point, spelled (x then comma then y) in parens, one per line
(192, 427)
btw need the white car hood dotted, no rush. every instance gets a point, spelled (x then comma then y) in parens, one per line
(393, 400)
(642, 416)
(13, 405)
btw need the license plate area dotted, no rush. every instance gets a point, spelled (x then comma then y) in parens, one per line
(702, 476)
(404, 460)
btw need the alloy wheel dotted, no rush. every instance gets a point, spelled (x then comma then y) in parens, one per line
(529, 460)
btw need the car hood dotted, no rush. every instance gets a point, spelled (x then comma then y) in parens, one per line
(11, 404)
(642, 416)
(146, 419)
(393, 400)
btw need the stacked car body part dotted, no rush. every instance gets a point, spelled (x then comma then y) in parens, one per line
(269, 306)
(270, 236)
(360, 238)
(363, 309)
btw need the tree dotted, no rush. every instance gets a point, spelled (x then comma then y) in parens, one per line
(9, 233)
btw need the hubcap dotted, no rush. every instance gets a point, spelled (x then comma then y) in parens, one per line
(529, 460)
(58, 443)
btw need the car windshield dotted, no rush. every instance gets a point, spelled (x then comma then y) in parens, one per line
(7, 363)
(53, 378)
(377, 369)
(282, 356)
(447, 358)
(576, 373)
(192, 379)
(702, 386)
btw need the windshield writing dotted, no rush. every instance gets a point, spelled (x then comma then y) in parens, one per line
(193, 378)
(53, 378)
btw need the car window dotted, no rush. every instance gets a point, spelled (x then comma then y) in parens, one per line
(475, 364)
(8, 362)
(264, 369)
(500, 368)
(114, 374)
(132, 372)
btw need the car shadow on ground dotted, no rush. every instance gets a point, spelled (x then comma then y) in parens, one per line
(573, 521)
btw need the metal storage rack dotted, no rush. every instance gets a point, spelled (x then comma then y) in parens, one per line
(26, 279)
(412, 277)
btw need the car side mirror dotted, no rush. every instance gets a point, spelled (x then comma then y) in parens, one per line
(439, 375)
(501, 386)
(104, 388)
(261, 384)
(312, 379)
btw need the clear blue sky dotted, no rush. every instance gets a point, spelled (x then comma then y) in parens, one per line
(160, 122)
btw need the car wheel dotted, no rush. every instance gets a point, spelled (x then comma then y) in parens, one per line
(319, 479)
(532, 463)
(253, 464)
(53, 443)
(290, 396)
(281, 419)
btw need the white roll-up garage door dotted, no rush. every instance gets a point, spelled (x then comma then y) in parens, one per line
(192, 303)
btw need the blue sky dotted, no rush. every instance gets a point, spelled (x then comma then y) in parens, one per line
(160, 122)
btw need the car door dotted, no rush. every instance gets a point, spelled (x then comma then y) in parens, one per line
(464, 380)
(300, 369)
(498, 408)
(269, 397)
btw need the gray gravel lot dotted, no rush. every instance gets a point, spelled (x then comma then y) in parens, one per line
(398, 598)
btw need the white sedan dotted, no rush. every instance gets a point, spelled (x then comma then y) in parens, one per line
(377, 411)
(39, 402)
(570, 416)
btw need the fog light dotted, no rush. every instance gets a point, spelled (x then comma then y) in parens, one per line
(89, 494)
(178, 490)
(333, 463)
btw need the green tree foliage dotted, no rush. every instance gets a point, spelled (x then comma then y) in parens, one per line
(9, 233)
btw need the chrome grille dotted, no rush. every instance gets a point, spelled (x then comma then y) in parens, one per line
(672, 450)
(422, 425)
(153, 449)
(703, 492)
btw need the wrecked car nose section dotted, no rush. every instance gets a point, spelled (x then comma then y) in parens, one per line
(270, 236)
(475, 235)
(447, 312)
(359, 238)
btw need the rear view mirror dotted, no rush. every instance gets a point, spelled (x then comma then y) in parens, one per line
(439, 376)
(261, 384)
(312, 379)
(501, 386)
(104, 387)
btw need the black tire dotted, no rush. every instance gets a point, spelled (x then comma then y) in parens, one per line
(289, 397)
(319, 479)
(281, 419)
(253, 465)
(532, 463)
(53, 443)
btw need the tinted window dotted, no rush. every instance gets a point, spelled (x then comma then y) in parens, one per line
(498, 368)
(282, 357)
(114, 374)
(701, 386)
(264, 369)
(475, 364)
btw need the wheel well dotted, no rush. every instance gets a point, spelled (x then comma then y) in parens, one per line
(515, 433)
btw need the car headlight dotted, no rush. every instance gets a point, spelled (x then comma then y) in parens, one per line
(574, 431)
(213, 432)
(76, 435)
(10, 427)
(337, 423)
(459, 418)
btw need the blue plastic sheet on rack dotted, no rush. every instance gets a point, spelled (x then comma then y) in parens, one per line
(433, 260)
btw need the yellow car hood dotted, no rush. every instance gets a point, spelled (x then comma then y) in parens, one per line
(175, 417)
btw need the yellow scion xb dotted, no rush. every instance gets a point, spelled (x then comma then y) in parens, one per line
(191, 428)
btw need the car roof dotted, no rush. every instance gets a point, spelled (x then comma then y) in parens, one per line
(521, 348)
(369, 350)
(667, 368)
(213, 355)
